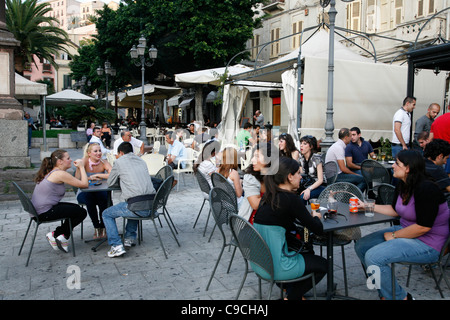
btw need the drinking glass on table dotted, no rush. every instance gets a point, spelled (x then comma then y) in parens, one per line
(373, 156)
(383, 156)
(315, 205)
(369, 205)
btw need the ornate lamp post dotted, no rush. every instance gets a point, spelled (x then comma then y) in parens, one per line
(108, 71)
(329, 124)
(139, 53)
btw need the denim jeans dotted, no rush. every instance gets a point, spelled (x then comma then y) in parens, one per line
(109, 219)
(356, 179)
(313, 194)
(395, 150)
(373, 250)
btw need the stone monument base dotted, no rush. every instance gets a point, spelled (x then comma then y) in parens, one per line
(14, 142)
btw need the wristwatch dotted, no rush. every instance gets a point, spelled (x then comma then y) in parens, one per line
(393, 235)
(310, 188)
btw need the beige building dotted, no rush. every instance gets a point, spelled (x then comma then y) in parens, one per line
(392, 26)
(74, 18)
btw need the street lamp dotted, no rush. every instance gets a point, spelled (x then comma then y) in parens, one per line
(108, 71)
(139, 53)
(329, 124)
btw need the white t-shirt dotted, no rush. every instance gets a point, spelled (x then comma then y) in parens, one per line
(405, 118)
(136, 143)
(336, 152)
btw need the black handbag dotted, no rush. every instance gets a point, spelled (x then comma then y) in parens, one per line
(298, 242)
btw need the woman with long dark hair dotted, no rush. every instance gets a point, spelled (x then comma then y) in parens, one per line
(312, 167)
(280, 209)
(424, 224)
(253, 182)
(49, 191)
(287, 146)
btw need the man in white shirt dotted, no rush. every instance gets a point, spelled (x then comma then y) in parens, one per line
(125, 136)
(97, 138)
(337, 153)
(401, 126)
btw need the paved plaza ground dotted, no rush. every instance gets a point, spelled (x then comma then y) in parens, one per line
(143, 272)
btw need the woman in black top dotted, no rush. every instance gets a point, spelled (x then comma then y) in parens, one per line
(280, 208)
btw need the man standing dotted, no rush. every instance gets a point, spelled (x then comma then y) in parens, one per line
(131, 173)
(97, 138)
(424, 123)
(436, 156)
(125, 136)
(29, 120)
(259, 119)
(357, 150)
(401, 125)
(337, 153)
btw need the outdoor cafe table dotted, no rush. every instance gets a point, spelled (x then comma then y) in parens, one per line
(103, 186)
(348, 220)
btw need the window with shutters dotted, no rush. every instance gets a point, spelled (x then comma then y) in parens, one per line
(419, 8)
(431, 6)
(384, 14)
(398, 12)
(255, 48)
(371, 16)
(274, 46)
(297, 27)
(354, 15)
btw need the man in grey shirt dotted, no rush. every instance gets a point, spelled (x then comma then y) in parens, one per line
(259, 119)
(131, 173)
(424, 122)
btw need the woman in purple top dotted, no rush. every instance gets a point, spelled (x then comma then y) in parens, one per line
(424, 225)
(49, 191)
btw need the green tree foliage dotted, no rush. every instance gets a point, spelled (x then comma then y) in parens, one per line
(36, 32)
(189, 35)
(77, 113)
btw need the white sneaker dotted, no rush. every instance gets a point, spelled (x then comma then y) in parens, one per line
(62, 243)
(116, 251)
(129, 242)
(51, 239)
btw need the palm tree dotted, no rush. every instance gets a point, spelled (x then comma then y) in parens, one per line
(37, 33)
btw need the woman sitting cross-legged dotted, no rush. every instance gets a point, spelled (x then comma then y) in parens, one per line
(280, 208)
(423, 230)
(96, 169)
(49, 191)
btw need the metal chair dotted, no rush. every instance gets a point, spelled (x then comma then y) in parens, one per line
(255, 250)
(158, 203)
(342, 192)
(445, 251)
(385, 193)
(374, 173)
(220, 181)
(222, 208)
(205, 187)
(331, 170)
(164, 172)
(29, 207)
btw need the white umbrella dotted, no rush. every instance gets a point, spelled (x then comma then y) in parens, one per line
(68, 96)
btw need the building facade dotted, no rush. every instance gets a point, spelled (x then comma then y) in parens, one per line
(389, 26)
(74, 18)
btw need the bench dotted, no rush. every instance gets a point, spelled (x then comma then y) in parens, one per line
(78, 136)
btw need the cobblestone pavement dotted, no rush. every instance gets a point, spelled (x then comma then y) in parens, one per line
(143, 272)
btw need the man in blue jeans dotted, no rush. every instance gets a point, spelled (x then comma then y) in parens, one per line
(131, 173)
(337, 153)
